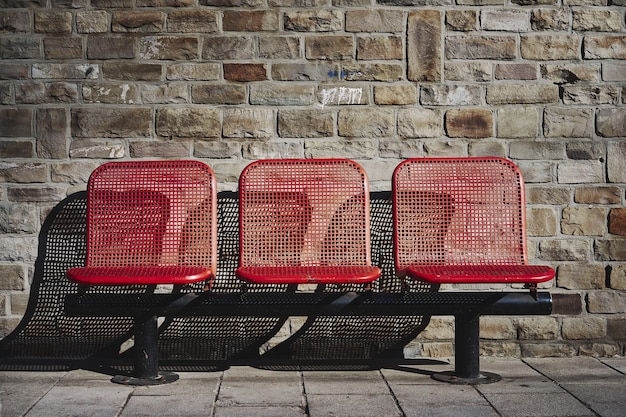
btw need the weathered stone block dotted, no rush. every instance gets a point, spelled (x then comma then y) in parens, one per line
(354, 149)
(97, 149)
(510, 20)
(305, 123)
(580, 172)
(272, 150)
(187, 71)
(400, 150)
(66, 71)
(537, 328)
(176, 48)
(366, 123)
(111, 93)
(536, 171)
(13, 71)
(15, 122)
(192, 21)
(248, 123)
(52, 132)
(519, 122)
(130, 71)
(57, 22)
(541, 221)
(46, 93)
(188, 122)
(18, 218)
(547, 195)
(279, 47)
(583, 328)
(250, 21)
(378, 47)
(216, 150)
(169, 149)
(611, 122)
(568, 122)
(282, 94)
(229, 47)
(581, 276)
(564, 250)
(515, 71)
(591, 94)
(108, 47)
(381, 20)
(420, 123)
(16, 149)
(618, 280)
(63, 48)
(218, 94)
(497, 328)
(13, 277)
(597, 195)
(72, 172)
(617, 221)
(19, 48)
(468, 71)
(320, 20)
(593, 20)
(96, 21)
(451, 95)
(424, 45)
(583, 221)
(550, 47)
(464, 20)
(608, 302)
(469, 123)
(480, 47)
(107, 122)
(245, 72)
(145, 21)
(610, 249)
(568, 73)
(405, 94)
(14, 21)
(616, 160)
(487, 148)
(550, 19)
(373, 72)
(171, 93)
(613, 71)
(305, 72)
(604, 47)
(522, 93)
(444, 148)
(39, 194)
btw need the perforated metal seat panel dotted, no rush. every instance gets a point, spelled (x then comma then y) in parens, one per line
(150, 222)
(462, 220)
(305, 221)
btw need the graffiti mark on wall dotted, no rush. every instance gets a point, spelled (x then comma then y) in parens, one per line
(341, 95)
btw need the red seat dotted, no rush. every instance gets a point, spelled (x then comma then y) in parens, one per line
(462, 220)
(304, 221)
(150, 222)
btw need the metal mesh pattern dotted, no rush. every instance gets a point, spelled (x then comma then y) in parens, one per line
(450, 213)
(150, 222)
(305, 221)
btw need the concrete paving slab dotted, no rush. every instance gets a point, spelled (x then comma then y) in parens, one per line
(188, 405)
(20, 391)
(441, 399)
(80, 401)
(584, 370)
(349, 405)
(517, 377)
(345, 382)
(608, 399)
(618, 364)
(267, 411)
(536, 404)
(258, 387)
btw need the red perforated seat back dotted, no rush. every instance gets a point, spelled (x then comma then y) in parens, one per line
(459, 211)
(152, 213)
(304, 212)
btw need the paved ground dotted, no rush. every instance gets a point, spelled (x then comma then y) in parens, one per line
(576, 387)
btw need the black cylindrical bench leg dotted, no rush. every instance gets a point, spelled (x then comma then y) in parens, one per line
(146, 357)
(467, 354)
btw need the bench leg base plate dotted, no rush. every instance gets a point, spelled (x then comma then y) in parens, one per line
(451, 378)
(161, 379)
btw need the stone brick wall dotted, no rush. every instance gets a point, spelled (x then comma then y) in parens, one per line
(542, 82)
